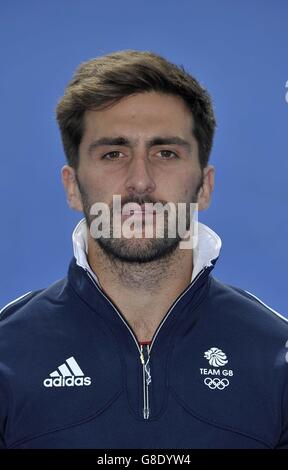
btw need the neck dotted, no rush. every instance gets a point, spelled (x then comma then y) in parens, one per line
(143, 292)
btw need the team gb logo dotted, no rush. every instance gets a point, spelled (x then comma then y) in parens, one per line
(216, 357)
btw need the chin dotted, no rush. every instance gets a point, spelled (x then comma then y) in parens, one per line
(138, 250)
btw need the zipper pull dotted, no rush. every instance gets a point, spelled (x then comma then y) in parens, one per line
(145, 363)
(147, 374)
(142, 356)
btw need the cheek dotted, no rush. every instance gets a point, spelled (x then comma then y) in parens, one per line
(91, 180)
(100, 190)
(185, 188)
(91, 190)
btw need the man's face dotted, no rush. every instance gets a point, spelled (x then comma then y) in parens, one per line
(143, 149)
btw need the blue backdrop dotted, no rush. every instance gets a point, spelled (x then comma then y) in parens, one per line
(238, 50)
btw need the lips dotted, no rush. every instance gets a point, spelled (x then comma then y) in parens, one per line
(147, 210)
(137, 211)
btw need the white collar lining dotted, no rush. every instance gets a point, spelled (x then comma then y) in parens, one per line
(208, 248)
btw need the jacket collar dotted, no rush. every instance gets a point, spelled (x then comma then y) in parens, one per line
(206, 251)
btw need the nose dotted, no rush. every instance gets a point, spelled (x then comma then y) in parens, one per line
(139, 178)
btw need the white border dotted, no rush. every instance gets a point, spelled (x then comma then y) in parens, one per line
(14, 301)
(267, 306)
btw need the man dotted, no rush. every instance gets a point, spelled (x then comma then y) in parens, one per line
(140, 346)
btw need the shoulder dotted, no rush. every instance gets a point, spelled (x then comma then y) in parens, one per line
(16, 304)
(246, 310)
(27, 305)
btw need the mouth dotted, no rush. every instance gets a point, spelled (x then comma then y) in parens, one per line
(139, 210)
(143, 210)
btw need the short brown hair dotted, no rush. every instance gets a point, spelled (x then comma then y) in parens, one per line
(109, 78)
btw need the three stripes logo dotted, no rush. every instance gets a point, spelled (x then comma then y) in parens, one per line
(68, 374)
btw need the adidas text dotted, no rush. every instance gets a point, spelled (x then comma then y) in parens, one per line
(67, 382)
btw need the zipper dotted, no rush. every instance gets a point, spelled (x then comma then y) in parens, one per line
(145, 358)
(145, 350)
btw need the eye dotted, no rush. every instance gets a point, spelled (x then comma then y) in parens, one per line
(112, 155)
(168, 154)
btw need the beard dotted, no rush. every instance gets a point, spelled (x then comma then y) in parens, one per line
(137, 250)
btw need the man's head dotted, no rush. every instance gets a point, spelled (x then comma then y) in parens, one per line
(138, 126)
(106, 80)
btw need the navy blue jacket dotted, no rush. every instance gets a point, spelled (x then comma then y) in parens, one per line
(72, 374)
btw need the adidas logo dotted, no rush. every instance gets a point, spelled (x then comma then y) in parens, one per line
(68, 374)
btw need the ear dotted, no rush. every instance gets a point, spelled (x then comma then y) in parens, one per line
(204, 194)
(71, 187)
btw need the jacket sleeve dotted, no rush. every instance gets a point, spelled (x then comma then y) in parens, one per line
(5, 396)
(2, 445)
(283, 440)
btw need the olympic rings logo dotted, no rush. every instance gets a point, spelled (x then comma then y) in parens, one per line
(216, 383)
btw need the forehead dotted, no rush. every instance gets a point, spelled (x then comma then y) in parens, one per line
(142, 113)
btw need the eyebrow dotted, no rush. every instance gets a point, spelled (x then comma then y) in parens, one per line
(123, 141)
